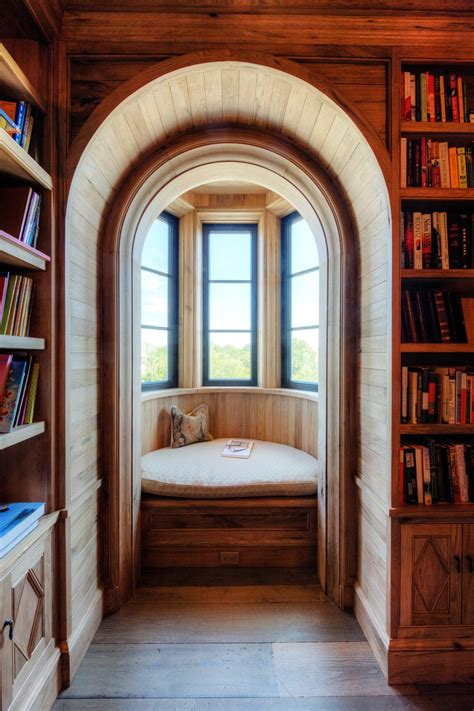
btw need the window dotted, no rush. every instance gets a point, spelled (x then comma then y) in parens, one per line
(299, 305)
(230, 304)
(159, 302)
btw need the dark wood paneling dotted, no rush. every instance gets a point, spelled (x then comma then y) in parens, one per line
(94, 77)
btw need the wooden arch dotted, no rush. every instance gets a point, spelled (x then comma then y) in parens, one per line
(151, 121)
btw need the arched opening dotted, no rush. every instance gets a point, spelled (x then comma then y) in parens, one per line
(138, 181)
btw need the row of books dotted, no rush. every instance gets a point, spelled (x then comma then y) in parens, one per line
(437, 395)
(15, 304)
(437, 240)
(432, 316)
(18, 388)
(20, 208)
(425, 163)
(17, 520)
(19, 118)
(433, 472)
(434, 96)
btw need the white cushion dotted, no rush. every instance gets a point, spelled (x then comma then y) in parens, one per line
(199, 471)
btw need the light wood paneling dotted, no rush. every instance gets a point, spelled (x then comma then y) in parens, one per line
(229, 416)
(332, 135)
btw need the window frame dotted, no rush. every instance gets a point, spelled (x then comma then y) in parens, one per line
(207, 228)
(286, 329)
(173, 307)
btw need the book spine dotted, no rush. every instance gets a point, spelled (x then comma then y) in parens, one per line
(427, 492)
(417, 241)
(431, 98)
(462, 168)
(426, 246)
(412, 98)
(453, 167)
(442, 96)
(403, 163)
(437, 97)
(460, 89)
(444, 164)
(404, 404)
(454, 98)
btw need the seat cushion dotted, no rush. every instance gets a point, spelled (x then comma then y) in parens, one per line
(199, 471)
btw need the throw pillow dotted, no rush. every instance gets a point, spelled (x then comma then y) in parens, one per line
(190, 428)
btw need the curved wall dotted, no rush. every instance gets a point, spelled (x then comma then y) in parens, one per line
(255, 413)
(174, 98)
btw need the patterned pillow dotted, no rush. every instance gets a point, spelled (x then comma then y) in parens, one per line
(190, 428)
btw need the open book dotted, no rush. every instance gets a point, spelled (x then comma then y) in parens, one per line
(238, 448)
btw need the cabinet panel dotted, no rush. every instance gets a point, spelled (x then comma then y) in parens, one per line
(468, 574)
(430, 585)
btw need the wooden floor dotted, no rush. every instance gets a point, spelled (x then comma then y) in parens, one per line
(228, 647)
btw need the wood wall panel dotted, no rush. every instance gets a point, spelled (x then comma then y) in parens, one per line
(93, 78)
(195, 98)
(270, 416)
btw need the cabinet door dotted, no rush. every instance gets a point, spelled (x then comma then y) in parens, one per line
(431, 574)
(27, 601)
(468, 574)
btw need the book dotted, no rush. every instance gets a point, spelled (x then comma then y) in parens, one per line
(5, 363)
(12, 393)
(238, 448)
(17, 210)
(17, 521)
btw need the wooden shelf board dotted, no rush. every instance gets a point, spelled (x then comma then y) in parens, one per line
(14, 84)
(424, 127)
(433, 511)
(16, 162)
(437, 273)
(20, 434)
(15, 253)
(436, 429)
(437, 193)
(437, 348)
(22, 343)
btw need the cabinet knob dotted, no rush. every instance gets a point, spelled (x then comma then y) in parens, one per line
(457, 560)
(8, 623)
(470, 563)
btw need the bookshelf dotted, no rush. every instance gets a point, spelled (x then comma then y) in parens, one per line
(429, 200)
(28, 452)
(443, 527)
(18, 168)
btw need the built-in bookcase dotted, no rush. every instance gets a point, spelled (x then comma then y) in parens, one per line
(26, 461)
(454, 280)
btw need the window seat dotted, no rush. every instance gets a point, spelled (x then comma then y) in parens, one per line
(200, 509)
(199, 471)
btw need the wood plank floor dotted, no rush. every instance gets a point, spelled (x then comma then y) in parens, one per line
(227, 647)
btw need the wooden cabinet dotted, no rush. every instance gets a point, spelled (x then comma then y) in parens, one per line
(437, 574)
(27, 645)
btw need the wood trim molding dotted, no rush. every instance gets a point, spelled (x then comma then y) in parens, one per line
(113, 324)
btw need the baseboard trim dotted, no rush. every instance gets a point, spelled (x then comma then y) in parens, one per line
(445, 666)
(74, 649)
(376, 636)
(43, 684)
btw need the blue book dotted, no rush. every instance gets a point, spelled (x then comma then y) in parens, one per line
(11, 396)
(18, 518)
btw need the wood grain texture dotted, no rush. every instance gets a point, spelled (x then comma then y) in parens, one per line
(231, 420)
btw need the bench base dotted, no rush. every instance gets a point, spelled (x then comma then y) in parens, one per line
(249, 533)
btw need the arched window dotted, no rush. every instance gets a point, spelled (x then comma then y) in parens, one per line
(299, 305)
(159, 304)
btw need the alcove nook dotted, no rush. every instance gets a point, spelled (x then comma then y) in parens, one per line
(179, 124)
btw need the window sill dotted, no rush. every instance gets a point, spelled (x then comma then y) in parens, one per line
(173, 392)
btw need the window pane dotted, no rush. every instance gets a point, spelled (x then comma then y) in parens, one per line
(155, 253)
(305, 355)
(304, 252)
(305, 300)
(154, 299)
(229, 255)
(154, 356)
(229, 356)
(229, 306)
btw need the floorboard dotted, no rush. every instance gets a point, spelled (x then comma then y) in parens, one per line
(270, 644)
